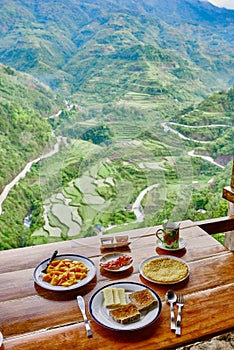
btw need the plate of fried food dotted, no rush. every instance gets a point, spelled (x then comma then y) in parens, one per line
(116, 262)
(65, 272)
(164, 269)
(125, 306)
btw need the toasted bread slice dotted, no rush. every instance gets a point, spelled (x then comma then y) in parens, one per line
(126, 314)
(143, 300)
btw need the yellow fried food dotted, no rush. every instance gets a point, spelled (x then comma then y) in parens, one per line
(65, 272)
(165, 270)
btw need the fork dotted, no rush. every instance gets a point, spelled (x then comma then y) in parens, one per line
(180, 304)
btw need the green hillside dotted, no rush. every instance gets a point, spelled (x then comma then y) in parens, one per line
(101, 173)
(24, 90)
(24, 131)
(121, 52)
(212, 123)
(137, 96)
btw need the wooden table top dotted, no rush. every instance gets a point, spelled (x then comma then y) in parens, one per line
(35, 318)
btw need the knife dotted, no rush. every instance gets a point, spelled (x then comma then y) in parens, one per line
(81, 305)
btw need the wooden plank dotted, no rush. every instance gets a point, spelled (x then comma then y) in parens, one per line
(26, 313)
(228, 193)
(35, 318)
(28, 257)
(202, 315)
(218, 225)
(17, 282)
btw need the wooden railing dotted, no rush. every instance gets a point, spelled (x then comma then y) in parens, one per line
(218, 225)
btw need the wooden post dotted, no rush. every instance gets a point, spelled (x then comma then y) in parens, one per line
(228, 193)
(232, 180)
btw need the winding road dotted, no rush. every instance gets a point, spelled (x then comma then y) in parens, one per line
(21, 175)
(137, 208)
(167, 128)
(27, 168)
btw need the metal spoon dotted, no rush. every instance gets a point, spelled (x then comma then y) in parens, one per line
(171, 299)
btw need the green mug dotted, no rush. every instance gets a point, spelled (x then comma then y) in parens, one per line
(169, 235)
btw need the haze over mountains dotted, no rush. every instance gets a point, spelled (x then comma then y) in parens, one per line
(130, 70)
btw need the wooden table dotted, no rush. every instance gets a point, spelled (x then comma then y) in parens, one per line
(34, 318)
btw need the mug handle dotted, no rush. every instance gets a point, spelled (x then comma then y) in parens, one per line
(158, 232)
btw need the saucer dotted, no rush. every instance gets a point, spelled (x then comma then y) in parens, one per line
(182, 244)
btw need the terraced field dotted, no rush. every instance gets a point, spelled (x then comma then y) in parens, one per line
(142, 154)
(103, 193)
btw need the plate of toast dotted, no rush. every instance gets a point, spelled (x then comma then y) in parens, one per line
(125, 306)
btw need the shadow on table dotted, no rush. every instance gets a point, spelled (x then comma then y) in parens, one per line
(178, 253)
(116, 275)
(130, 337)
(161, 289)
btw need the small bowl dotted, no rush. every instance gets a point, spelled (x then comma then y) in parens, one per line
(107, 240)
(121, 239)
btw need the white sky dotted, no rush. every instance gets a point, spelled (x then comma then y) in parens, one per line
(229, 4)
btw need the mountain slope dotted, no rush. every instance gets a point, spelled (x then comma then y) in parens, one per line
(24, 132)
(83, 46)
(26, 91)
(127, 66)
(211, 124)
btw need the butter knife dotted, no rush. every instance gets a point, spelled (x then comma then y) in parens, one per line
(81, 305)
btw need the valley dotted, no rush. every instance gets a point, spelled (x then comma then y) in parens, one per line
(110, 178)
(141, 103)
(92, 195)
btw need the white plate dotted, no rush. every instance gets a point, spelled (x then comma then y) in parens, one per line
(91, 273)
(113, 256)
(182, 244)
(100, 313)
(157, 257)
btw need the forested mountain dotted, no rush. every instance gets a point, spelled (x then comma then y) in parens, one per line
(212, 123)
(106, 51)
(139, 92)
(24, 90)
(24, 132)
